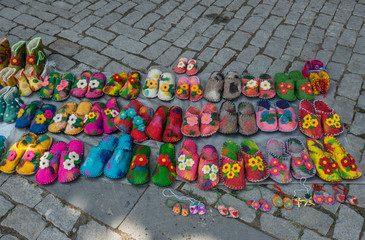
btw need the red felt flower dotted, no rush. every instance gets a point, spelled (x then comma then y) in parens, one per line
(133, 165)
(328, 170)
(334, 165)
(117, 77)
(132, 80)
(15, 61)
(141, 160)
(31, 59)
(345, 162)
(289, 86)
(163, 160)
(324, 161)
(171, 167)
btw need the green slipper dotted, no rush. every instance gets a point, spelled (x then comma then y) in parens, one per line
(303, 87)
(48, 85)
(285, 87)
(63, 87)
(165, 174)
(13, 104)
(3, 92)
(139, 171)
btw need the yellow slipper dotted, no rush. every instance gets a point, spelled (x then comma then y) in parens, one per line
(75, 123)
(59, 121)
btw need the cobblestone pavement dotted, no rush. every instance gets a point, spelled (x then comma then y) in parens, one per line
(259, 36)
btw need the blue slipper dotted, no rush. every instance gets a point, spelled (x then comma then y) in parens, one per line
(42, 118)
(26, 114)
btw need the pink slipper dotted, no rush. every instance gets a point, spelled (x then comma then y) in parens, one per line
(286, 116)
(109, 113)
(190, 125)
(96, 85)
(250, 86)
(192, 67)
(94, 120)
(209, 120)
(267, 87)
(69, 169)
(124, 120)
(80, 86)
(208, 176)
(266, 118)
(182, 88)
(181, 65)
(140, 122)
(188, 160)
(196, 91)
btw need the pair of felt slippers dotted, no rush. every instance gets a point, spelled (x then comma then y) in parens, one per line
(341, 195)
(2, 145)
(126, 85)
(158, 84)
(28, 81)
(10, 103)
(184, 66)
(56, 86)
(218, 86)
(262, 87)
(189, 88)
(89, 85)
(293, 87)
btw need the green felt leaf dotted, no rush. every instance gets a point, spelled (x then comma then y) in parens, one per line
(34, 161)
(281, 172)
(262, 119)
(236, 175)
(254, 168)
(193, 94)
(206, 176)
(320, 167)
(212, 123)
(348, 168)
(77, 162)
(225, 175)
(188, 168)
(214, 116)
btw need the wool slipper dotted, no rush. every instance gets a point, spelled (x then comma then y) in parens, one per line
(232, 173)
(190, 126)
(286, 117)
(124, 120)
(301, 164)
(266, 118)
(267, 88)
(26, 114)
(24, 88)
(140, 122)
(188, 161)
(246, 119)
(139, 171)
(94, 163)
(32, 77)
(192, 67)
(309, 121)
(232, 86)
(7, 77)
(16, 152)
(29, 163)
(13, 104)
(94, 120)
(166, 90)
(165, 172)
(181, 65)
(279, 161)
(109, 113)
(285, 87)
(2, 146)
(214, 87)
(150, 87)
(303, 87)
(70, 162)
(156, 126)
(3, 92)
(172, 132)
(48, 85)
(331, 122)
(208, 176)
(118, 165)
(320, 82)
(49, 164)
(312, 66)
(196, 91)
(115, 83)
(96, 85)
(182, 88)
(228, 118)
(130, 90)
(75, 123)
(63, 87)
(209, 120)
(79, 88)
(256, 167)
(42, 119)
(250, 86)
(59, 121)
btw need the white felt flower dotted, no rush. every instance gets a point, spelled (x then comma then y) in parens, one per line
(94, 83)
(43, 163)
(72, 119)
(214, 168)
(114, 113)
(265, 85)
(68, 164)
(252, 83)
(206, 169)
(182, 166)
(190, 66)
(181, 158)
(57, 118)
(82, 83)
(181, 65)
(73, 156)
(86, 118)
(45, 156)
(189, 162)
(213, 176)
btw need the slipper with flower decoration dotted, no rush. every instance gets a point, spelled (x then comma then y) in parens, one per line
(18, 55)
(232, 86)
(246, 119)
(59, 121)
(214, 87)
(309, 120)
(26, 114)
(166, 91)
(340, 197)
(285, 87)
(2, 145)
(233, 213)
(250, 86)
(184, 211)
(319, 197)
(183, 88)
(24, 88)
(228, 118)
(209, 122)
(151, 85)
(172, 132)
(165, 172)
(202, 209)
(193, 208)
(155, 128)
(96, 85)
(232, 172)
(188, 160)
(279, 161)
(303, 87)
(42, 119)
(190, 126)
(286, 117)
(115, 83)
(94, 120)
(5, 51)
(192, 67)
(71, 159)
(177, 209)
(3, 92)
(266, 118)
(48, 85)
(331, 122)
(267, 87)
(33, 79)
(208, 170)
(109, 113)
(312, 66)
(79, 88)
(139, 170)
(285, 202)
(36, 57)
(63, 86)
(140, 121)
(130, 90)
(351, 199)
(13, 104)
(196, 90)
(124, 120)
(181, 65)
(75, 123)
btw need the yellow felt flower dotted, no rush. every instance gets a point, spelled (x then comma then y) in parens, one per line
(40, 119)
(337, 124)
(260, 167)
(199, 92)
(226, 168)
(259, 159)
(107, 111)
(20, 113)
(165, 87)
(195, 88)
(184, 86)
(152, 83)
(230, 175)
(179, 91)
(330, 122)
(91, 115)
(236, 168)
(314, 122)
(252, 162)
(306, 125)
(336, 117)
(307, 118)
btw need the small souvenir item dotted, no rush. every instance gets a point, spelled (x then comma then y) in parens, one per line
(179, 206)
(279, 202)
(342, 197)
(225, 209)
(319, 197)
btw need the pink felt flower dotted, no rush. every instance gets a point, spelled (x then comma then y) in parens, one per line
(282, 166)
(255, 204)
(318, 199)
(45, 83)
(275, 171)
(192, 120)
(64, 83)
(329, 199)
(60, 87)
(23, 106)
(274, 162)
(29, 155)
(48, 114)
(298, 162)
(266, 206)
(12, 155)
(206, 118)
(305, 156)
(308, 165)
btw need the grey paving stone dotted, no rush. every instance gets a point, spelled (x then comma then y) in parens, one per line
(63, 5)
(127, 30)
(100, 34)
(125, 7)
(299, 6)
(212, 30)
(278, 66)
(79, 7)
(323, 20)
(128, 44)
(81, 15)
(354, 23)
(248, 54)
(357, 126)
(85, 23)
(260, 38)
(324, 55)
(62, 63)
(207, 54)
(147, 21)
(167, 7)
(23, 33)
(243, 12)
(284, 31)
(234, 24)
(65, 47)
(92, 59)
(175, 16)
(275, 47)
(350, 86)
(185, 24)
(108, 20)
(115, 67)
(315, 5)
(9, 13)
(5, 206)
(220, 40)
(70, 35)
(309, 235)
(262, 10)
(168, 57)
(329, 8)
(336, 70)
(345, 108)
(238, 40)
(185, 39)
(260, 64)
(235, 66)
(196, 11)
(309, 50)
(358, 190)
(210, 196)
(113, 52)
(348, 219)
(60, 21)
(93, 230)
(224, 55)
(267, 225)
(52, 233)
(347, 5)
(342, 15)
(292, 18)
(3, 178)
(295, 46)
(188, 5)
(254, 194)
(296, 65)
(132, 18)
(211, 67)
(107, 8)
(246, 213)
(252, 24)
(308, 18)
(6, 25)
(154, 36)
(28, 21)
(356, 146)
(201, 25)
(9, 237)
(271, 23)
(281, 8)
(316, 35)
(334, 30)
(329, 43)
(198, 43)
(92, 43)
(145, 7)
(301, 31)
(359, 9)
(360, 45)
(356, 64)
(155, 50)
(97, 5)
(361, 101)
(136, 62)
(348, 38)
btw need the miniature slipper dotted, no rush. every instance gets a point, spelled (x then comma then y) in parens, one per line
(79, 88)
(182, 88)
(59, 121)
(172, 132)
(340, 197)
(3, 92)
(193, 208)
(192, 67)
(232, 86)
(63, 87)
(256, 167)
(165, 174)
(190, 126)
(233, 213)
(29, 163)
(250, 86)
(327, 168)
(331, 122)
(309, 122)
(188, 160)
(223, 210)
(318, 198)
(208, 176)
(209, 120)
(49, 164)
(140, 122)
(303, 87)
(32, 77)
(246, 119)
(118, 165)
(124, 120)
(75, 123)
(130, 90)
(181, 65)
(166, 90)
(266, 118)
(285, 87)
(228, 118)
(71, 158)
(24, 88)
(94, 120)
(139, 171)
(16, 152)
(156, 126)
(267, 88)
(177, 209)
(42, 119)
(286, 117)
(287, 203)
(109, 113)
(13, 104)
(96, 85)
(232, 173)
(115, 83)
(48, 85)
(214, 87)
(150, 87)
(2, 146)
(93, 165)
(196, 91)
(347, 164)
(301, 164)
(26, 114)
(202, 209)
(279, 161)
(184, 211)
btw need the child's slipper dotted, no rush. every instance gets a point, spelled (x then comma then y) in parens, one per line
(118, 165)
(166, 90)
(279, 161)
(193, 208)
(7, 77)
(181, 65)
(26, 114)
(70, 162)
(190, 126)
(232, 173)
(309, 121)
(266, 118)
(208, 176)
(267, 88)
(177, 209)
(256, 167)
(94, 120)
(172, 132)
(63, 87)
(182, 88)
(192, 67)
(232, 86)
(42, 119)
(156, 126)
(184, 211)
(303, 87)
(32, 77)
(59, 121)
(150, 87)
(223, 210)
(196, 91)
(115, 83)
(3, 92)
(79, 88)
(139, 171)
(109, 113)
(130, 90)
(48, 85)
(140, 122)
(94, 163)
(188, 160)
(49, 164)
(246, 119)
(2, 146)
(96, 85)
(233, 213)
(331, 122)
(124, 120)
(285, 87)
(250, 86)
(13, 104)
(286, 117)
(24, 88)
(209, 120)
(165, 172)
(214, 88)
(228, 118)
(75, 123)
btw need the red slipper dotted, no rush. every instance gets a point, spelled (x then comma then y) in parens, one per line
(181, 65)
(140, 122)
(172, 133)
(192, 67)
(155, 128)
(190, 126)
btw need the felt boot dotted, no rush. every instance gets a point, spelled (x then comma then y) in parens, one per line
(18, 56)
(5, 52)
(3, 92)
(24, 88)
(13, 104)
(36, 56)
